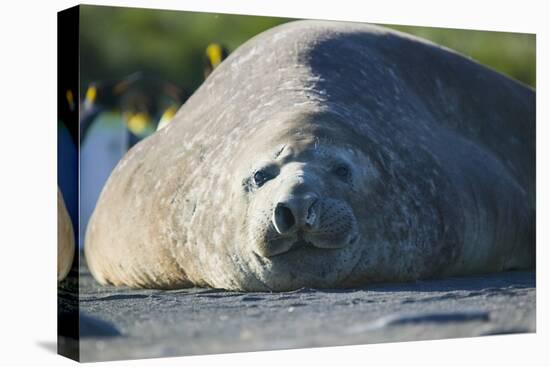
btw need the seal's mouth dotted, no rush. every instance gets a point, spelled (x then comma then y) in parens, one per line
(300, 246)
(302, 243)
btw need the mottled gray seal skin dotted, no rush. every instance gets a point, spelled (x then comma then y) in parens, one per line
(324, 154)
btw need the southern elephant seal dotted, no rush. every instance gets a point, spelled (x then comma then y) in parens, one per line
(326, 154)
(65, 239)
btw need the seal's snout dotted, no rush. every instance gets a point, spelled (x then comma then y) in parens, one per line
(301, 218)
(295, 212)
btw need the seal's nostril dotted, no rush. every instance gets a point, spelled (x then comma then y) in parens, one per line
(283, 219)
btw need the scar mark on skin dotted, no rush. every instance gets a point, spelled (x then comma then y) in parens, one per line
(280, 151)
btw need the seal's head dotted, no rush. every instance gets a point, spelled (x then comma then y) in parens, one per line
(303, 196)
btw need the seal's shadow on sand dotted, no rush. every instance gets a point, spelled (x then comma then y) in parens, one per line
(483, 284)
(512, 279)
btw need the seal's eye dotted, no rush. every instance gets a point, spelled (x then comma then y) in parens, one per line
(261, 177)
(342, 171)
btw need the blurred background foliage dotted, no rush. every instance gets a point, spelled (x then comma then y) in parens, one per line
(170, 44)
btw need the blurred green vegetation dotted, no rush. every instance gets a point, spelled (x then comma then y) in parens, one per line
(115, 42)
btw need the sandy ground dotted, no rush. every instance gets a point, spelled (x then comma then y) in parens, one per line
(127, 323)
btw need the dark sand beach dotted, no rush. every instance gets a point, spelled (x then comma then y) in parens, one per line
(120, 323)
